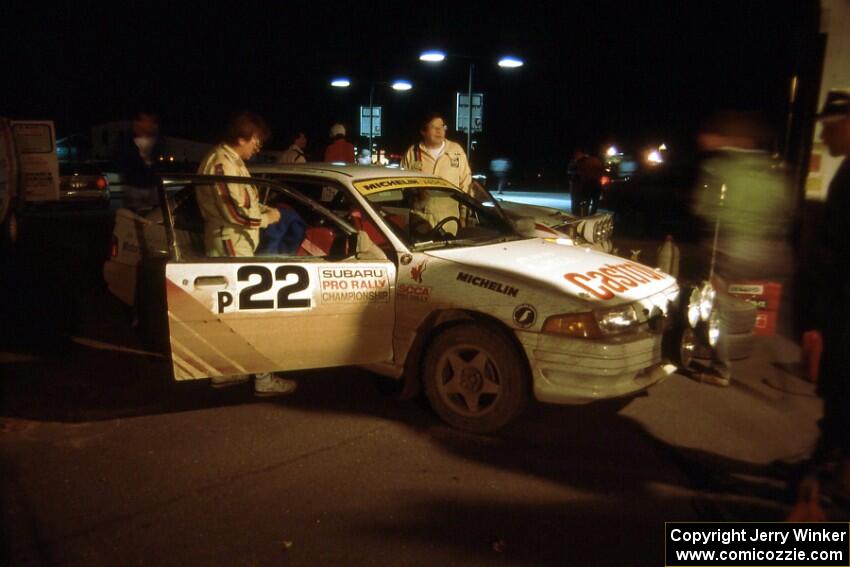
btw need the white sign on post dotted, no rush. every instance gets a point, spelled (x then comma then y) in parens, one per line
(375, 121)
(462, 112)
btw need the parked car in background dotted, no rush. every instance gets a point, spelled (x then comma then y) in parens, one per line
(82, 183)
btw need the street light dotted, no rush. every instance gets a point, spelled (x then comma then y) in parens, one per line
(400, 85)
(506, 62)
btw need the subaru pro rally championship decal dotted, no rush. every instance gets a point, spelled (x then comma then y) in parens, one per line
(354, 285)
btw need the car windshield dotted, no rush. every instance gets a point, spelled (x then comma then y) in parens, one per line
(427, 217)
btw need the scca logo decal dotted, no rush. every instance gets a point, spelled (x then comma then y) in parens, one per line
(612, 279)
(525, 315)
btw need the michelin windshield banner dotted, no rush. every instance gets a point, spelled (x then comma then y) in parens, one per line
(761, 544)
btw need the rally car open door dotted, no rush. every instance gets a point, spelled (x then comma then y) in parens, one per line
(321, 303)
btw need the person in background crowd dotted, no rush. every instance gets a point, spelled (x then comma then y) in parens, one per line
(340, 149)
(830, 312)
(138, 160)
(233, 217)
(745, 203)
(365, 157)
(295, 152)
(585, 173)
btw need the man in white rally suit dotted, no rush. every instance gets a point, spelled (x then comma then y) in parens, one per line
(233, 217)
(441, 157)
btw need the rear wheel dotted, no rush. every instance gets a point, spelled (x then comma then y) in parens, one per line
(474, 378)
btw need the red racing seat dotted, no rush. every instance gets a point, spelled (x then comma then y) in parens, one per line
(318, 241)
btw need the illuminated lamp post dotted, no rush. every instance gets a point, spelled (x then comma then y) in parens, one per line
(505, 62)
(399, 85)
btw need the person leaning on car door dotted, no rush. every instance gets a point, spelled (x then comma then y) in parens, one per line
(233, 217)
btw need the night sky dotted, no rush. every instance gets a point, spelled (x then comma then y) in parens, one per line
(595, 71)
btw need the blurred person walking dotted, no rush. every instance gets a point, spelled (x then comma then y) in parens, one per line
(340, 149)
(745, 203)
(233, 217)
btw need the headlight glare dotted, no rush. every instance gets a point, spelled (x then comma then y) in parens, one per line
(693, 307)
(706, 304)
(713, 328)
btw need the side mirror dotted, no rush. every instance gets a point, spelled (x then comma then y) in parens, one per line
(525, 227)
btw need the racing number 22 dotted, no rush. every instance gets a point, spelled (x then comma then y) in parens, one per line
(246, 296)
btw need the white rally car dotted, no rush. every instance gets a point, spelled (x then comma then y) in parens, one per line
(378, 270)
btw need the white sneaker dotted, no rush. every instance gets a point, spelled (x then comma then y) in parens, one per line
(267, 384)
(227, 381)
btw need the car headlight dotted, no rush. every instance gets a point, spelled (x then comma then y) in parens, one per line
(713, 328)
(616, 321)
(576, 325)
(594, 324)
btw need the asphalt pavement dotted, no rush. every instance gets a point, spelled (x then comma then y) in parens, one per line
(106, 461)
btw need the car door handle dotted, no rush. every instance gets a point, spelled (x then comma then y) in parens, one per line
(211, 281)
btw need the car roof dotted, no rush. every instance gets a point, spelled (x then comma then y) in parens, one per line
(340, 171)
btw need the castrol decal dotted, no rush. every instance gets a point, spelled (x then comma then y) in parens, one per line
(612, 279)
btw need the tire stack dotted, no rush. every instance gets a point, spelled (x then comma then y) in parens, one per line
(765, 296)
(737, 320)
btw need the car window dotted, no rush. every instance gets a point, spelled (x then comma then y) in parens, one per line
(304, 231)
(435, 216)
(339, 201)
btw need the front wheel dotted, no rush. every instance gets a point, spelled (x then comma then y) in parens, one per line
(475, 379)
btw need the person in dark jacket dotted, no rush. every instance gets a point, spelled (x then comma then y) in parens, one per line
(831, 310)
(138, 160)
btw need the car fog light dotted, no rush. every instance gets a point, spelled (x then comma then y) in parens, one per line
(706, 304)
(713, 328)
(694, 307)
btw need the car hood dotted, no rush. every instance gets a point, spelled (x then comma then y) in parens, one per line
(579, 271)
(537, 212)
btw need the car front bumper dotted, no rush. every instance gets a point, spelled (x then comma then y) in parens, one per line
(574, 371)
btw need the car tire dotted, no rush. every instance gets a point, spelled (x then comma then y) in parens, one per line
(736, 315)
(475, 378)
(735, 346)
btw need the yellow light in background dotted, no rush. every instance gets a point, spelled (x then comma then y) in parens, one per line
(654, 157)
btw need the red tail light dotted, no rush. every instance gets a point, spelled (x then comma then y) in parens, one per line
(114, 250)
(605, 180)
(101, 183)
